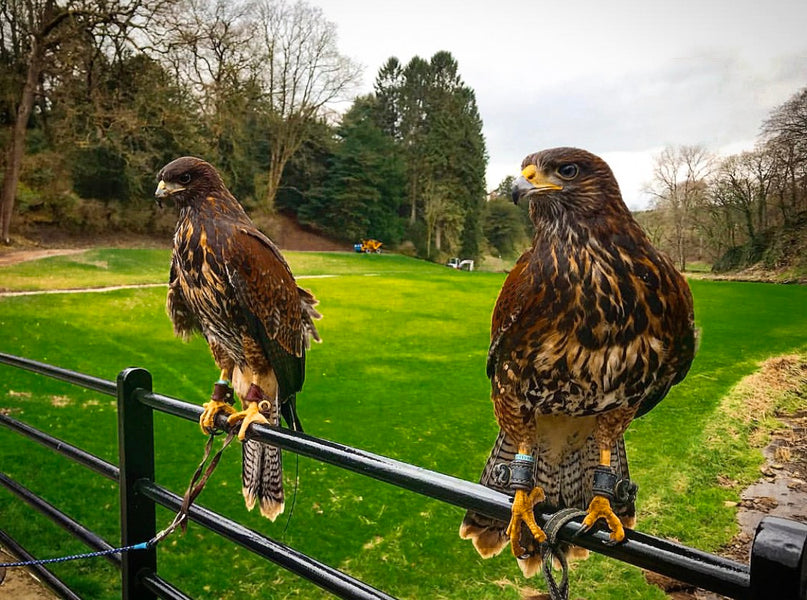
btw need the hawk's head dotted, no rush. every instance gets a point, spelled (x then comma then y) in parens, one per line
(568, 183)
(187, 180)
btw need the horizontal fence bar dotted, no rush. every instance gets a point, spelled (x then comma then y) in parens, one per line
(55, 584)
(159, 586)
(324, 576)
(81, 379)
(67, 523)
(686, 564)
(690, 565)
(74, 453)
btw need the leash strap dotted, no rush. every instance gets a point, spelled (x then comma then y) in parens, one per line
(48, 561)
(558, 591)
(195, 487)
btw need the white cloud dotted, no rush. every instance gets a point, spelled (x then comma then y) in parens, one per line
(616, 78)
(633, 171)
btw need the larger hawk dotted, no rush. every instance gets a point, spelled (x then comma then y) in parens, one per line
(231, 284)
(591, 329)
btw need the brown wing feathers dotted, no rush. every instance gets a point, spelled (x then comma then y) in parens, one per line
(591, 324)
(231, 283)
(228, 280)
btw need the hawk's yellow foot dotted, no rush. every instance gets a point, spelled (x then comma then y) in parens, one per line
(208, 419)
(252, 414)
(522, 512)
(600, 508)
(220, 402)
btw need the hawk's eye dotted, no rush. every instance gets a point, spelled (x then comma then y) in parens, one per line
(185, 178)
(568, 171)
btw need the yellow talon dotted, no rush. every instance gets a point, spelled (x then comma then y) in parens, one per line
(212, 408)
(600, 508)
(251, 415)
(522, 512)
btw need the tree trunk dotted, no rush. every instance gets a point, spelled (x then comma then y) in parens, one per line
(782, 206)
(749, 223)
(285, 142)
(16, 144)
(762, 211)
(276, 165)
(680, 245)
(413, 194)
(282, 151)
(794, 191)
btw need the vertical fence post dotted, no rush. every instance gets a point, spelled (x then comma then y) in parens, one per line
(779, 560)
(136, 460)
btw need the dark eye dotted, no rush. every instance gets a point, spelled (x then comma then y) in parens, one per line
(185, 178)
(568, 171)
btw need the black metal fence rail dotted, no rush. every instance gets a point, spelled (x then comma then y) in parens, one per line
(705, 570)
(138, 495)
(53, 582)
(777, 569)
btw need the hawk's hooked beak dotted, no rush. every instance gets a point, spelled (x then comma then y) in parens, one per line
(532, 181)
(164, 190)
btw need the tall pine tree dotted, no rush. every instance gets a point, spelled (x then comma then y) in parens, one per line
(432, 116)
(365, 184)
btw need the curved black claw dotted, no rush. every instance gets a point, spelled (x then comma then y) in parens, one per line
(584, 529)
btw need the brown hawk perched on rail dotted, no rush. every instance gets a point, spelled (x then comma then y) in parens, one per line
(230, 283)
(591, 329)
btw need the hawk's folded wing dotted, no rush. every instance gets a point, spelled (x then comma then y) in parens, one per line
(268, 295)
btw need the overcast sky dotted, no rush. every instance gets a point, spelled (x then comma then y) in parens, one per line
(619, 78)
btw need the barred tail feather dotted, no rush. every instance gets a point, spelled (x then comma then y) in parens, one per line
(573, 482)
(566, 485)
(261, 464)
(570, 484)
(262, 478)
(619, 461)
(488, 534)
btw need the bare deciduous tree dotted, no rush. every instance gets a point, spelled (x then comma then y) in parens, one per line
(788, 123)
(212, 49)
(679, 186)
(785, 136)
(742, 183)
(302, 73)
(38, 30)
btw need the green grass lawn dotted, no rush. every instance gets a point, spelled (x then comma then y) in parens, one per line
(107, 267)
(698, 266)
(400, 373)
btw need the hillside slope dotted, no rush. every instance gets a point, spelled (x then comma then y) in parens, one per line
(779, 254)
(284, 230)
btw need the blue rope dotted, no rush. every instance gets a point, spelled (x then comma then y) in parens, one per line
(45, 561)
(179, 520)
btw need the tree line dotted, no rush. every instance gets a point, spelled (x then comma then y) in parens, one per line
(725, 209)
(96, 95)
